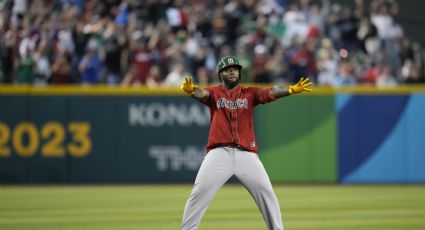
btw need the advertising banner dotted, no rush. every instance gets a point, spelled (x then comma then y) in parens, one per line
(125, 137)
(101, 138)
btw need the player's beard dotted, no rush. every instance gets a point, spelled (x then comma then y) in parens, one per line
(230, 84)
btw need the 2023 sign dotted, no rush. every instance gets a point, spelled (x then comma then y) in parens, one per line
(25, 139)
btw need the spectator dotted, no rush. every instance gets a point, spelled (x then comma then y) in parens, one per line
(141, 60)
(246, 61)
(61, 69)
(317, 13)
(406, 50)
(410, 73)
(121, 19)
(42, 65)
(202, 75)
(327, 63)
(154, 79)
(367, 35)
(382, 17)
(7, 57)
(90, 67)
(303, 62)
(345, 76)
(18, 12)
(371, 74)
(113, 62)
(347, 25)
(259, 71)
(277, 67)
(26, 66)
(386, 79)
(296, 24)
(175, 77)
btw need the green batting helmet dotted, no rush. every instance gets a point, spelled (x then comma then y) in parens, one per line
(228, 61)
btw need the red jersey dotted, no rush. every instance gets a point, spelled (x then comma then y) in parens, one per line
(232, 115)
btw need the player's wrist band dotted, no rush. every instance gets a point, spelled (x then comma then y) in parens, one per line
(290, 91)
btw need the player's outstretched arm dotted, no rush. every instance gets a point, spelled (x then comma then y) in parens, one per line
(193, 89)
(302, 85)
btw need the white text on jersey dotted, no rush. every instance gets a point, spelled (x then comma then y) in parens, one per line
(239, 103)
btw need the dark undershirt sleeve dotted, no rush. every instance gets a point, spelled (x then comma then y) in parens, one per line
(262, 95)
(208, 101)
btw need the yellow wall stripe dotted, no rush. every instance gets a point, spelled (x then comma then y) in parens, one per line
(143, 90)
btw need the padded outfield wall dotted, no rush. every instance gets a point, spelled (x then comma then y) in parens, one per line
(117, 135)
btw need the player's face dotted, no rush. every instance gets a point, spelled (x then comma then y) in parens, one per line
(230, 73)
(230, 76)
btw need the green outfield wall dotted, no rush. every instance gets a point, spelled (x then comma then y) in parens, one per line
(297, 137)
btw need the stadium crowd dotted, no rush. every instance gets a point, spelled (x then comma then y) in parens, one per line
(157, 43)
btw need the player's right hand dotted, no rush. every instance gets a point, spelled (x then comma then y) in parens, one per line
(188, 86)
(302, 85)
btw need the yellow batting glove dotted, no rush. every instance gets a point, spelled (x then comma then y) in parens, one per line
(188, 86)
(302, 85)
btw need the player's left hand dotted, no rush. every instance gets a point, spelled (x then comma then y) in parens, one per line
(301, 86)
(188, 86)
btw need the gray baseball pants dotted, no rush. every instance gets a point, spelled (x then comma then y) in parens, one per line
(218, 166)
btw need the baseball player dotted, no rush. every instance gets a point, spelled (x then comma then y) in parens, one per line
(232, 148)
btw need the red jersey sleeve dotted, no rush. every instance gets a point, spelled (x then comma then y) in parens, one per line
(262, 95)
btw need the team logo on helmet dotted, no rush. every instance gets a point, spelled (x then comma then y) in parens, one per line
(228, 61)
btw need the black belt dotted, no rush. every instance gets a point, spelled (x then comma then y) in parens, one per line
(231, 146)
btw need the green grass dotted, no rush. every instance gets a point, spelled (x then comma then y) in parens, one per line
(157, 207)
